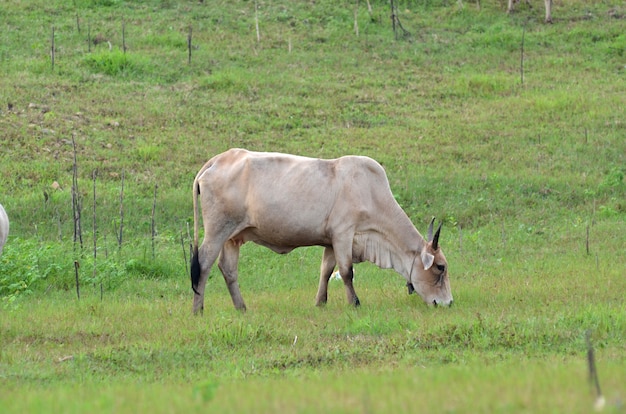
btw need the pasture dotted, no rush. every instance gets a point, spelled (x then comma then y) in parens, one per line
(511, 131)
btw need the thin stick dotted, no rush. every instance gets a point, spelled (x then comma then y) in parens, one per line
(356, 19)
(95, 235)
(76, 266)
(593, 213)
(119, 237)
(393, 19)
(256, 21)
(182, 243)
(76, 207)
(77, 23)
(52, 48)
(593, 372)
(153, 222)
(521, 64)
(587, 241)
(106, 250)
(76, 201)
(189, 45)
(188, 234)
(58, 217)
(89, 38)
(124, 35)
(190, 245)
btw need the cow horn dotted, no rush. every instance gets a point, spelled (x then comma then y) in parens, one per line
(430, 230)
(436, 238)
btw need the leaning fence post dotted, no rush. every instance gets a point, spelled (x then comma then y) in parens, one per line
(52, 48)
(521, 64)
(76, 266)
(124, 36)
(156, 186)
(189, 45)
(119, 237)
(95, 236)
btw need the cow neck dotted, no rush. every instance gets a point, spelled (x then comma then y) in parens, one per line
(410, 280)
(411, 240)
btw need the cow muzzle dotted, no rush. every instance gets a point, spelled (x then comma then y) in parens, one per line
(437, 303)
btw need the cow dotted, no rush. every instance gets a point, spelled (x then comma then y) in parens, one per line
(548, 4)
(4, 227)
(284, 201)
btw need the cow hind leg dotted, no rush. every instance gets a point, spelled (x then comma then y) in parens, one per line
(328, 265)
(229, 260)
(201, 264)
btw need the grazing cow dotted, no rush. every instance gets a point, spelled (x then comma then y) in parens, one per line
(548, 4)
(285, 201)
(4, 227)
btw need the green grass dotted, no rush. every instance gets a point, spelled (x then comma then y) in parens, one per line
(528, 179)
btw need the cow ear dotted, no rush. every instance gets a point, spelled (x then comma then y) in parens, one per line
(427, 259)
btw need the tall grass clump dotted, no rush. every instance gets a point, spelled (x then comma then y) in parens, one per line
(111, 63)
(26, 265)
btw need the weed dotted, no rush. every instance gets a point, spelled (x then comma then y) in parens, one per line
(613, 179)
(23, 265)
(113, 63)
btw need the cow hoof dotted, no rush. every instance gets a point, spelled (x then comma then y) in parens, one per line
(357, 302)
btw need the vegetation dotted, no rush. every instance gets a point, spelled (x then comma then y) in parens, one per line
(509, 130)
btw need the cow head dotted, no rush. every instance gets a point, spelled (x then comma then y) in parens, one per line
(429, 274)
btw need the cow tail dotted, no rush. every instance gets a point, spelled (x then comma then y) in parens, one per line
(195, 261)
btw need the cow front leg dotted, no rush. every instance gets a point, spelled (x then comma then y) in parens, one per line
(229, 260)
(347, 274)
(343, 256)
(548, 4)
(509, 8)
(327, 267)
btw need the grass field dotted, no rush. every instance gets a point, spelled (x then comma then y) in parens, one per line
(521, 153)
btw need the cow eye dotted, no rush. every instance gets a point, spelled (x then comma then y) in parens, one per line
(441, 267)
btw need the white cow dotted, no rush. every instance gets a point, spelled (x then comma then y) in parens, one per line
(548, 4)
(283, 201)
(4, 227)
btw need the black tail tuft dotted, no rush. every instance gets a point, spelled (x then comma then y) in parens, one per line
(195, 271)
